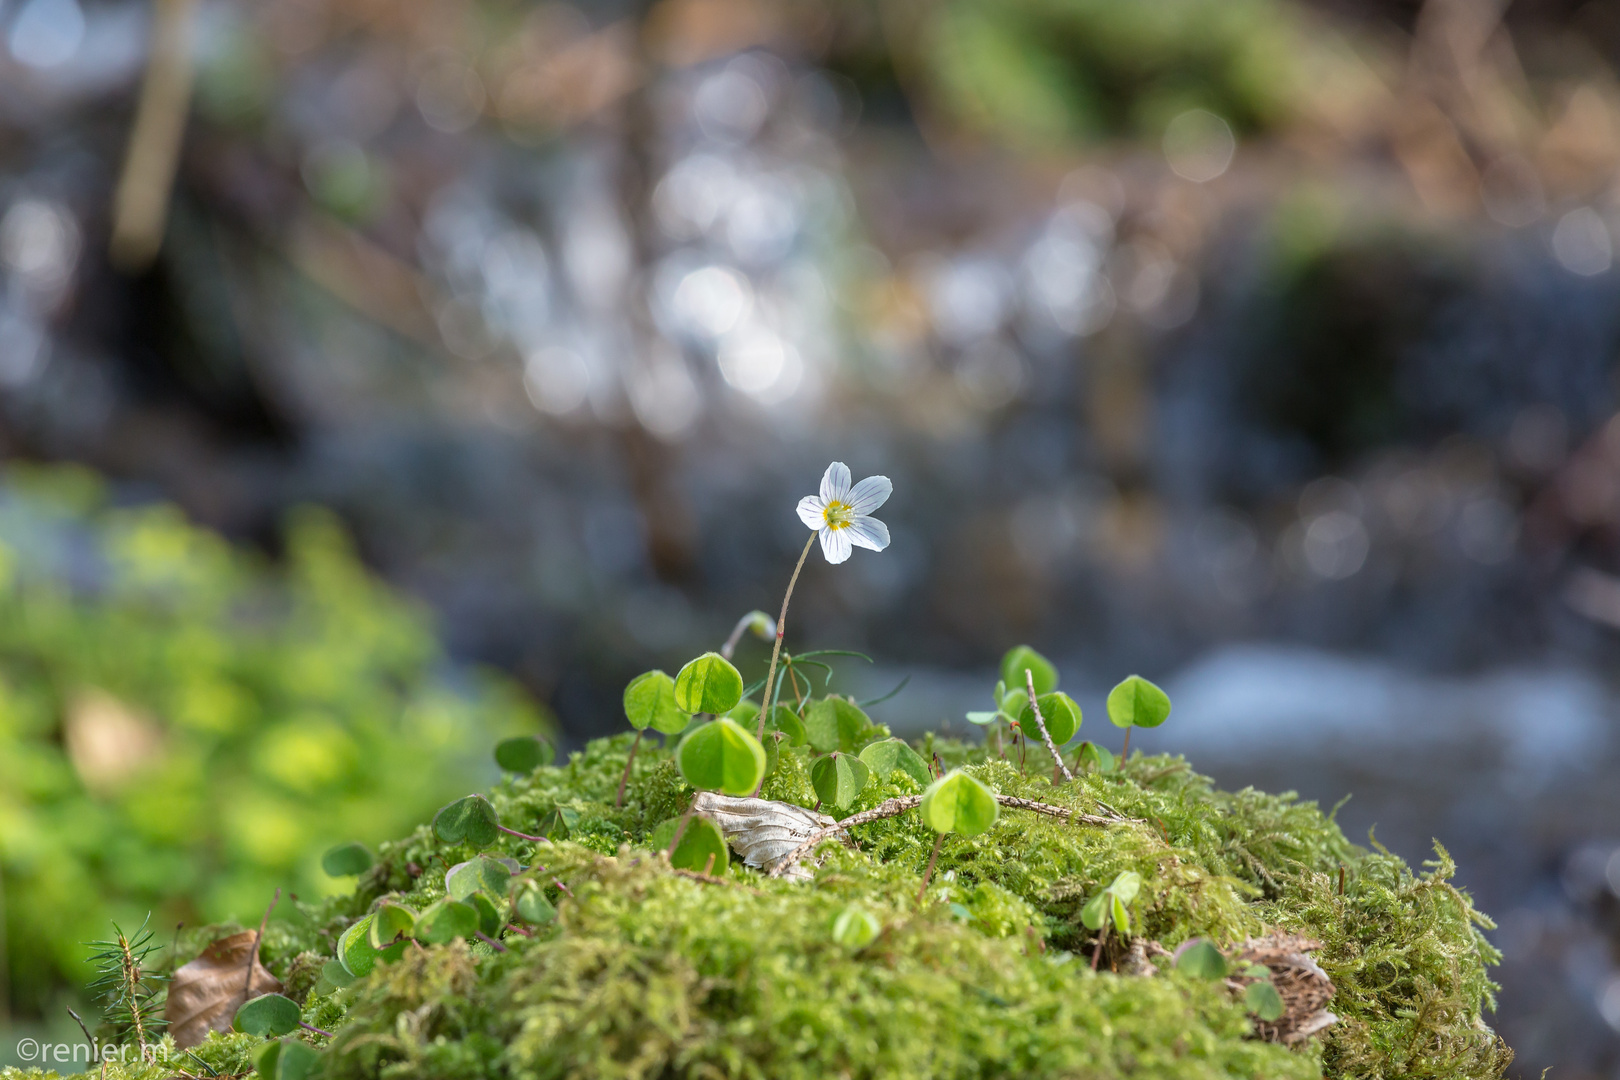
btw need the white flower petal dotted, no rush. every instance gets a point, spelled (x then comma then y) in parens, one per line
(812, 511)
(835, 484)
(835, 544)
(868, 532)
(870, 494)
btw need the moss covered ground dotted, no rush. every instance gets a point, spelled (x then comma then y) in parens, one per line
(646, 973)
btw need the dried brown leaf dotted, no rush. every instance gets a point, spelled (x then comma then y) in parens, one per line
(205, 994)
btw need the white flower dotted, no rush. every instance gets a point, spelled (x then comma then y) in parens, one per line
(840, 512)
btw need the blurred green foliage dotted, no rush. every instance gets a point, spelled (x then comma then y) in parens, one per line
(1039, 70)
(184, 727)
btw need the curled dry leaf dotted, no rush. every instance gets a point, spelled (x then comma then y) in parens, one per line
(205, 994)
(763, 831)
(1303, 986)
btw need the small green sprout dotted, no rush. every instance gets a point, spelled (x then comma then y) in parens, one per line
(1108, 908)
(1261, 998)
(1097, 757)
(838, 778)
(471, 819)
(702, 847)
(649, 701)
(955, 803)
(1135, 702)
(888, 755)
(1010, 695)
(708, 684)
(268, 1016)
(1201, 959)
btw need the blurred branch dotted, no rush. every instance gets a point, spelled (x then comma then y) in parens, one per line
(140, 207)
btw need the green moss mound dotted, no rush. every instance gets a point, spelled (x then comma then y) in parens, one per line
(646, 973)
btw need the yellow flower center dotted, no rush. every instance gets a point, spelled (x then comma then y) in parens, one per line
(838, 515)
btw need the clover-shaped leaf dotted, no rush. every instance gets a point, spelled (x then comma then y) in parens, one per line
(287, 1059)
(785, 720)
(708, 684)
(442, 922)
(701, 840)
(722, 756)
(267, 1016)
(886, 756)
(1135, 702)
(347, 860)
(1099, 757)
(389, 923)
(355, 951)
(1201, 959)
(839, 778)
(1060, 712)
(836, 723)
(524, 753)
(489, 915)
(1022, 657)
(855, 927)
(470, 819)
(649, 701)
(479, 874)
(1262, 999)
(531, 904)
(958, 803)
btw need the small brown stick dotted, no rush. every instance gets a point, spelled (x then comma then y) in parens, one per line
(939, 842)
(253, 957)
(1341, 879)
(1040, 722)
(1058, 811)
(618, 800)
(1096, 954)
(77, 1019)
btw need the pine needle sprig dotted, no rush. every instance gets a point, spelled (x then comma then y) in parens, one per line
(126, 986)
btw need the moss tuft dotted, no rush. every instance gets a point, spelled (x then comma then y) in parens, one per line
(649, 974)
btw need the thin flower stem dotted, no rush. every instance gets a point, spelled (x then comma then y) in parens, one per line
(776, 648)
(318, 1031)
(939, 842)
(491, 942)
(1040, 722)
(1096, 953)
(1125, 753)
(618, 800)
(523, 836)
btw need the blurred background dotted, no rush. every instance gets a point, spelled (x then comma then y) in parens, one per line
(1265, 347)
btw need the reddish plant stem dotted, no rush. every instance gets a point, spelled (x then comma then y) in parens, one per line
(618, 800)
(316, 1030)
(939, 842)
(491, 942)
(1096, 953)
(1125, 753)
(524, 836)
(686, 819)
